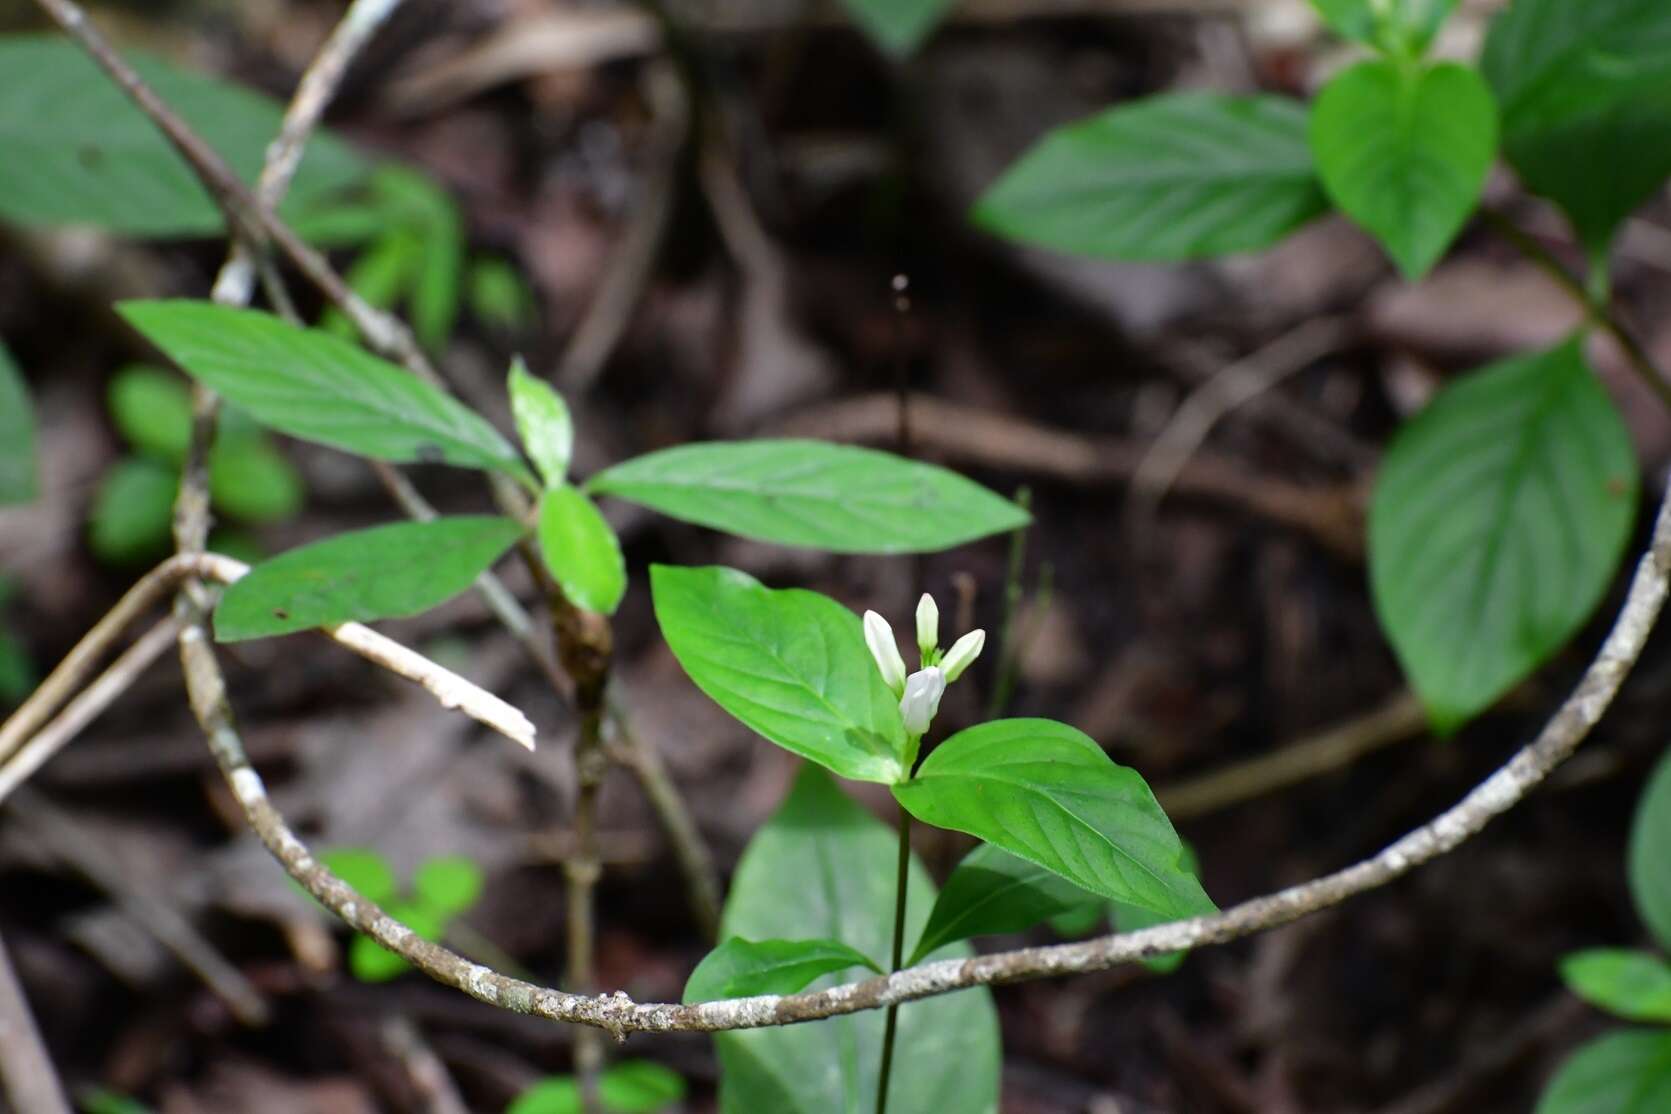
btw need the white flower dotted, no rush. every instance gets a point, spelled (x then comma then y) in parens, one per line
(880, 638)
(923, 690)
(928, 627)
(963, 652)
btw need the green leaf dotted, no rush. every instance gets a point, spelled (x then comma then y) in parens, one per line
(17, 670)
(581, 550)
(542, 422)
(1585, 90)
(101, 1101)
(1080, 921)
(1049, 794)
(365, 870)
(838, 498)
(498, 296)
(133, 511)
(639, 1087)
(152, 411)
(1135, 918)
(447, 885)
(79, 152)
(791, 665)
(742, 968)
(1650, 866)
(1403, 26)
(898, 26)
(321, 388)
(381, 573)
(371, 962)
(1499, 516)
(250, 480)
(992, 891)
(378, 276)
(1168, 178)
(18, 481)
(824, 868)
(1633, 985)
(1404, 151)
(555, 1095)
(1627, 1072)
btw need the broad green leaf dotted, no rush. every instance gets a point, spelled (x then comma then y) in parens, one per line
(823, 868)
(992, 891)
(838, 498)
(1650, 854)
(1171, 177)
(1404, 151)
(152, 410)
(79, 152)
(1401, 26)
(791, 665)
(1633, 985)
(556, 1095)
(1627, 1072)
(312, 385)
(1049, 794)
(18, 481)
(1498, 518)
(381, 573)
(448, 885)
(1585, 90)
(1135, 918)
(742, 968)
(1081, 920)
(371, 962)
(250, 480)
(899, 26)
(365, 870)
(542, 423)
(133, 511)
(581, 550)
(639, 1087)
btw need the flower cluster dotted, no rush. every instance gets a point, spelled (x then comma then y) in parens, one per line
(920, 692)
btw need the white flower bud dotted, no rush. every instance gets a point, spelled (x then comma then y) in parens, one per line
(880, 638)
(962, 654)
(923, 690)
(928, 626)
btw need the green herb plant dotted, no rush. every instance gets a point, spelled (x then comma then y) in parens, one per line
(1628, 1071)
(442, 889)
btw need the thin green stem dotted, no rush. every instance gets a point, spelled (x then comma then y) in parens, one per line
(891, 1025)
(1595, 309)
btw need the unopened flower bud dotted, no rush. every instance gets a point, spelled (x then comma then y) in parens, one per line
(928, 627)
(880, 638)
(962, 654)
(923, 690)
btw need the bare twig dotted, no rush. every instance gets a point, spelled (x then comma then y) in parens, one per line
(616, 1013)
(1237, 383)
(88, 705)
(65, 839)
(26, 1070)
(1335, 748)
(425, 1074)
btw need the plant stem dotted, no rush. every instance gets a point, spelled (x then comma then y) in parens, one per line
(891, 1025)
(1595, 309)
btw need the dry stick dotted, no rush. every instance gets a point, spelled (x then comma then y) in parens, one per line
(31, 1082)
(1332, 749)
(67, 842)
(1238, 383)
(88, 705)
(617, 1013)
(1601, 315)
(425, 1073)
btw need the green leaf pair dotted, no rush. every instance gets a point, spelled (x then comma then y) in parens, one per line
(443, 889)
(630, 1087)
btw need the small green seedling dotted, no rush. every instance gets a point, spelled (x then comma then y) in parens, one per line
(250, 480)
(442, 890)
(1628, 1071)
(630, 1087)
